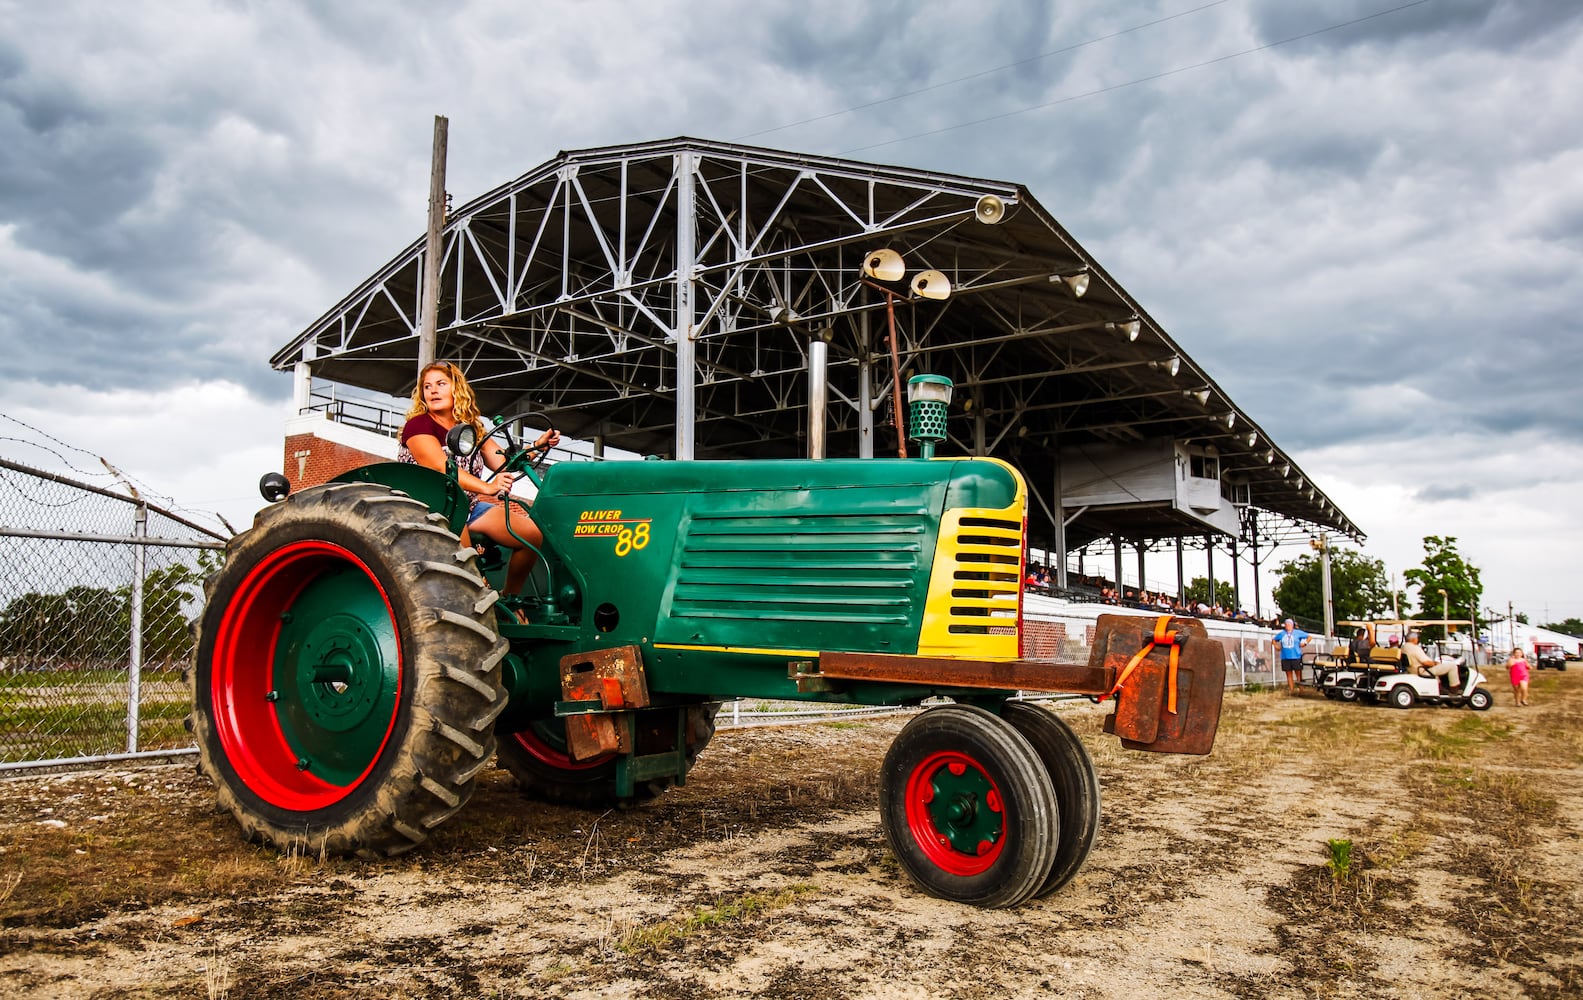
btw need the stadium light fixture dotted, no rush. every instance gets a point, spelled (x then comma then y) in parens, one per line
(1077, 283)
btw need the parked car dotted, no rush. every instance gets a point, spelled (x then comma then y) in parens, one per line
(1549, 654)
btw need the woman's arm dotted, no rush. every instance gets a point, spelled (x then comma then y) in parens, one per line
(427, 452)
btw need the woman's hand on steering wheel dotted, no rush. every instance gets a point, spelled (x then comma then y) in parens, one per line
(542, 446)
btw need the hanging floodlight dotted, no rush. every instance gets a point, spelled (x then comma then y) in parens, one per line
(1131, 328)
(931, 284)
(1253, 439)
(1077, 283)
(989, 210)
(1201, 395)
(885, 264)
(1172, 365)
(1230, 419)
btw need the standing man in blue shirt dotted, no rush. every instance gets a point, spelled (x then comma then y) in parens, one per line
(1290, 640)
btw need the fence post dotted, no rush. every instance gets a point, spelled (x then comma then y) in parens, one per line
(134, 680)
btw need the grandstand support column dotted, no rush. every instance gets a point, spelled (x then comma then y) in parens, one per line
(1143, 547)
(302, 384)
(1059, 504)
(1115, 545)
(1253, 536)
(1236, 578)
(980, 422)
(865, 391)
(686, 253)
(1209, 557)
(1181, 585)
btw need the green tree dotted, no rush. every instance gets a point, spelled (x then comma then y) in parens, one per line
(1571, 626)
(1225, 593)
(1444, 569)
(172, 598)
(1359, 588)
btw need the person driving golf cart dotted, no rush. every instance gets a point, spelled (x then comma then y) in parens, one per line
(1421, 663)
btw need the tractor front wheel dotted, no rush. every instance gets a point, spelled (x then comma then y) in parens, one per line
(346, 676)
(1074, 779)
(968, 808)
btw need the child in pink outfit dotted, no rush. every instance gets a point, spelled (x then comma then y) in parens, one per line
(1517, 664)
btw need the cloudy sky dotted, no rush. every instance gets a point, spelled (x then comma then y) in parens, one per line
(1363, 217)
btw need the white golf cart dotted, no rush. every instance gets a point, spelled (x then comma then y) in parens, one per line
(1384, 676)
(1408, 689)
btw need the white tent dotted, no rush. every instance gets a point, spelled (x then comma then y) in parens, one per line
(1503, 634)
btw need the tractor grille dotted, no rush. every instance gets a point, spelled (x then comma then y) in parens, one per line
(986, 575)
(853, 568)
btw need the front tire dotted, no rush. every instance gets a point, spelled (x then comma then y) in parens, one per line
(1076, 785)
(346, 675)
(1480, 700)
(1402, 696)
(968, 808)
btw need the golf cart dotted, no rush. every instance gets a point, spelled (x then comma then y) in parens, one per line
(1378, 678)
(1419, 687)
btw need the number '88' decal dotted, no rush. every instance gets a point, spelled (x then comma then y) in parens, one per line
(632, 538)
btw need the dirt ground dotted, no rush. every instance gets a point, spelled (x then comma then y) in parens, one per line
(767, 876)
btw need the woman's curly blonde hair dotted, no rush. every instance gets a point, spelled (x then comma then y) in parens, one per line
(464, 404)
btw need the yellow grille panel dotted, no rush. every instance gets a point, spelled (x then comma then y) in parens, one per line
(975, 585)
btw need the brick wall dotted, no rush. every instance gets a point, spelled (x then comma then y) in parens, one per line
(1042, 639)
(318, 449)
(311, 460)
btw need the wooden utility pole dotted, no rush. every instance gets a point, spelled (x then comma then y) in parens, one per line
(432, 250)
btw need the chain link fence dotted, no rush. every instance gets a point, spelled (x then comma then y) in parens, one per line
(97, 593)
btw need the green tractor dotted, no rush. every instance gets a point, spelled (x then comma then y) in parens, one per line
(356, 669)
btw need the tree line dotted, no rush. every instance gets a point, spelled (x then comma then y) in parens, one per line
(1447, 586)
(91, 626)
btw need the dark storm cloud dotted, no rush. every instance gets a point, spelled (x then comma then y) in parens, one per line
(1435, 494)
(1500, 23)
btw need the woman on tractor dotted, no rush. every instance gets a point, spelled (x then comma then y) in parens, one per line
(441, 400)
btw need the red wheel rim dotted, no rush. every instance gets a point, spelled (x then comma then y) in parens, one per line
(542, 750)
(243, 677)
(956, 813)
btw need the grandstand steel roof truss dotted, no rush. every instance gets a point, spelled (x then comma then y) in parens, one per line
(661, 296)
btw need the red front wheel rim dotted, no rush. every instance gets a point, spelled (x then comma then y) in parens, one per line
(956, 813)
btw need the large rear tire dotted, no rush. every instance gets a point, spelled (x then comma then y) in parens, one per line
(1075, 781)
(968, 809)
(346, 676)
(537, 757)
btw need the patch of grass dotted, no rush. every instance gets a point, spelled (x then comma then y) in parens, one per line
(38, 732)
(1340, 862)
(655, 937)
(1428, 741)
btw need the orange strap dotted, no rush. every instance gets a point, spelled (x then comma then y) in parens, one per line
(1161, 638)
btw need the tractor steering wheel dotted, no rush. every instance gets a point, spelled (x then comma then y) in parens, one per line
(518, 457)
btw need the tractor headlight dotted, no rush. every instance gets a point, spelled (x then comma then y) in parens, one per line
(462, 439)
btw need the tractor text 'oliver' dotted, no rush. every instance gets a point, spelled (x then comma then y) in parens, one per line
(355, 669)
